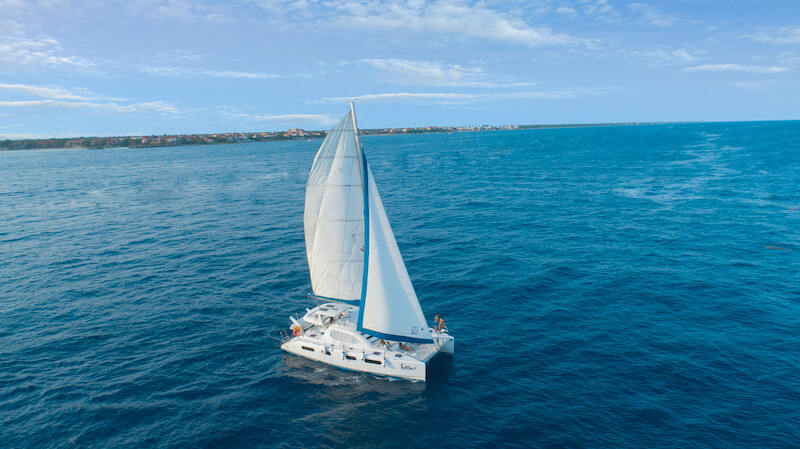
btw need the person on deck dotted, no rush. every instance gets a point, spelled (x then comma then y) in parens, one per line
(405, 347)
(385, 343)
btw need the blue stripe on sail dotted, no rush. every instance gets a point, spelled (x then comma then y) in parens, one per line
(353, 302)
(395, 337)
(366, 239)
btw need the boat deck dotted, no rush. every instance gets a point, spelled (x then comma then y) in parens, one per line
(328, 333)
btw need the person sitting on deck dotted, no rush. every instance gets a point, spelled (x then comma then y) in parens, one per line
(405, 347)
(385, 343)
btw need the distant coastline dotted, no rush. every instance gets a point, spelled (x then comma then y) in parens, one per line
(168, 140)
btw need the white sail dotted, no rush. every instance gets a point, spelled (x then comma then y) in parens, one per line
(390, 308)
(335, 220)
(334, 216)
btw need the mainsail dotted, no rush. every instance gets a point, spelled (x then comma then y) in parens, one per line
(346, 264)
(334, 216)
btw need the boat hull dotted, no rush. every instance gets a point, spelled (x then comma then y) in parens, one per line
(380, 363)
(448, 344)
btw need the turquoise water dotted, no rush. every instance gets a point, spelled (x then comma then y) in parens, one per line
(616, 287)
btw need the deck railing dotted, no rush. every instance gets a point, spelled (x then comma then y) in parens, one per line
(285, 336)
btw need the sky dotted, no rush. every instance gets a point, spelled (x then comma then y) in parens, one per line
(71, 68)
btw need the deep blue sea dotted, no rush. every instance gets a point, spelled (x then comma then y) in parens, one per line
(608, 287)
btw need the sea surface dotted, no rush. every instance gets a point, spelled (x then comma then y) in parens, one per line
(608, 287)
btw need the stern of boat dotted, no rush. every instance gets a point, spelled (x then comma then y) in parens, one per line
(445, 342)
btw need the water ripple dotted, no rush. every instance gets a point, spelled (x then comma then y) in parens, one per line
(608, 287)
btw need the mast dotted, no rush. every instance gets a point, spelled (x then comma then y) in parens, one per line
(365, 183)
(355, 126)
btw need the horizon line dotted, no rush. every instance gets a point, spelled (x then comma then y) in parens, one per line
(387, 131)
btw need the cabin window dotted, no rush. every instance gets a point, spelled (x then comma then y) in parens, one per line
(350, 357)
(307, 348)
(374, 362)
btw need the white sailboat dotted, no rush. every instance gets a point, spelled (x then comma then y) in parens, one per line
(367, 317)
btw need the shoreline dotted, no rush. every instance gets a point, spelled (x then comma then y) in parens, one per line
(174, 140)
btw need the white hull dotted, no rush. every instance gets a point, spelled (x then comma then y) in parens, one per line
(329, 336)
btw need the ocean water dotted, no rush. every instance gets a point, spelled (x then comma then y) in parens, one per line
(610, 287)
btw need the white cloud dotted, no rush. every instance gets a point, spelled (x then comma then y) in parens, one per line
(22, 53)
(12, 8)
(56, 97)
(755, 85)
(234, 74)
(445, 19)
(185, 72)
(464, 98)
(651, 16)
(566, 11)
(52, 92)
(449, 19)
(789, 59)
(156, 10)
(180, 55)
(18, 136)
(776, 35)
(322, 119)
(665, 55)
(600, 9)
(133, 108)
(160, 107)
(166, 71)
(183, 10)
(402, 96)
(281, 6)
(430, 73)
(43, 103)
(735, 68)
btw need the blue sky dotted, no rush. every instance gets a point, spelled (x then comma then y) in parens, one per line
(139, 67)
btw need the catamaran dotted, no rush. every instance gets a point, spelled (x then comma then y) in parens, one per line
(367, 315)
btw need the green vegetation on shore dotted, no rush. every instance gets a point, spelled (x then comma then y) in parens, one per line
(208, 139)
